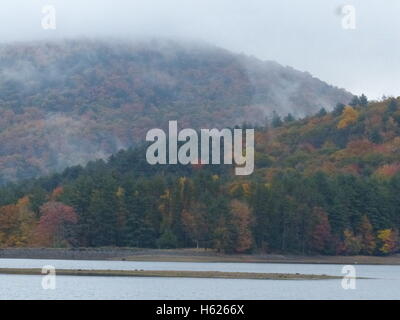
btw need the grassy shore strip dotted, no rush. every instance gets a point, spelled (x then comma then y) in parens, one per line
(284, 259)
(186, 255)
(173, 274)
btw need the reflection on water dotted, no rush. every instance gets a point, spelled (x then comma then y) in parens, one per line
(385, 285)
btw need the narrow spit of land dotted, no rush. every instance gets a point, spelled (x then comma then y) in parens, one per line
(173, 274)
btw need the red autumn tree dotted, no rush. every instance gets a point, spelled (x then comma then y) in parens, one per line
(53, 227)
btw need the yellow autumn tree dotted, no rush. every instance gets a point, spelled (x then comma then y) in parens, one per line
(16, 224)
(349, 116)
(388, 241)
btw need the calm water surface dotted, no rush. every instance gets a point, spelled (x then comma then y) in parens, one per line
(385, 285)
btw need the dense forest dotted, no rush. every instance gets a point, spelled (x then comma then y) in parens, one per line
(67, 102)
(326, 184)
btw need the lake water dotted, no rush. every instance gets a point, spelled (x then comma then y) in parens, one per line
(384, 285)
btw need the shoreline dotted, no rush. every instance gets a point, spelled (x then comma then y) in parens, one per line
(185, 255)
(173, 274)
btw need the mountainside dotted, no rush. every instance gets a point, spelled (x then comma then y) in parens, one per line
(64, 103)
(327, 184)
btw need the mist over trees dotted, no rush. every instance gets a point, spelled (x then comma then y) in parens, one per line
(64, 103)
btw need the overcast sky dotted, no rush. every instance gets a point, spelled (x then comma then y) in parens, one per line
(305, 34)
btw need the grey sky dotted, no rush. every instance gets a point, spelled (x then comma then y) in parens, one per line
(305, 34)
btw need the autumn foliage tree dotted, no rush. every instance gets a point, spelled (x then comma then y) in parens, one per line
(53, 229)
(388, 241)
(16, 224)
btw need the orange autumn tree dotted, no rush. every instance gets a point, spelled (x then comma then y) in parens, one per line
(54, 225)
(57, 192)
(388, 170)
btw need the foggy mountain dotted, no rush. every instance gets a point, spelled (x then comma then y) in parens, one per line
(66, 102)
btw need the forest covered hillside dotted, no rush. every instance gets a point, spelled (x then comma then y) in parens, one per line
(326, 184)
(65, 103)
